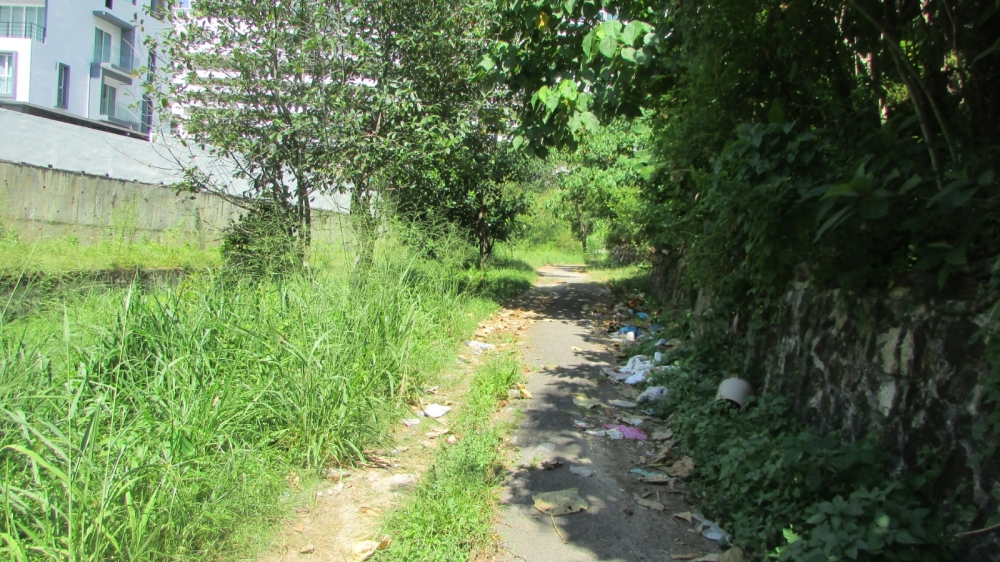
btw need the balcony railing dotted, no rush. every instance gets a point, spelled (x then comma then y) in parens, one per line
(22, 30)
(125, 115)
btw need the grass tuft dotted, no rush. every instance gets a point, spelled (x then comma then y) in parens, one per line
(450, 515)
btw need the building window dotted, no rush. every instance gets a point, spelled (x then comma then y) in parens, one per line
(22, 22)
(102, 46)
(62, 86)
(108, 95)
(6, 74)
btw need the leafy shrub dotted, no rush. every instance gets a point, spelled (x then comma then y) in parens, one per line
(769, 480)
(263, 242)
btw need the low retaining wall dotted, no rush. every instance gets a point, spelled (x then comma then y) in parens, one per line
(913, 370)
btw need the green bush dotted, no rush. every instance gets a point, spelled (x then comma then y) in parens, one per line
(770, 481)
(265, 241)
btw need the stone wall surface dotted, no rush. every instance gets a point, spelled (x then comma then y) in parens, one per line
(911, 369)
(39, 203)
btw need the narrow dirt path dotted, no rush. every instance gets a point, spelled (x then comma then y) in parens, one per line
(567, 352)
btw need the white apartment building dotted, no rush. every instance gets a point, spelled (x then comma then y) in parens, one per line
(79, 61)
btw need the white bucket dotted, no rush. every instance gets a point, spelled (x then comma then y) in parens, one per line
(736, 390)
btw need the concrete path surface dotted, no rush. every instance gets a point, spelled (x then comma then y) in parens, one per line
(614, 527)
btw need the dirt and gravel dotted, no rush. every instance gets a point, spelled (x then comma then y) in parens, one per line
(565, 346)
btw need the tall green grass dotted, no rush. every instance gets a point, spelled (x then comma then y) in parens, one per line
(449, 517)
(161, 425)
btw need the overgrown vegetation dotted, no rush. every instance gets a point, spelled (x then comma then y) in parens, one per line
(161, 424)
(450, 515)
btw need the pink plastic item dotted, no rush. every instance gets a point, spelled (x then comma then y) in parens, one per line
(629, 432)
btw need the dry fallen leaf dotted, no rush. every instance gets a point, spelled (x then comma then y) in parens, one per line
(686, 515)
(734, 554)
(366, 549)
(524, 392)
(560, 502)
(307, 549)
(650, 504)
(681, 468)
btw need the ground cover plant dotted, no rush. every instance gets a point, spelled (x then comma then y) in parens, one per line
(450, 515)
(66, 254)
(161, 424)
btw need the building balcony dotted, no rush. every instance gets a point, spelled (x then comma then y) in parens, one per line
(22, 30)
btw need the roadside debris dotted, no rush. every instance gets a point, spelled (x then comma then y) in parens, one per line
(652, 394)
(366, 549)
(662, 435)
(622, 403)
(581, 470)
(436, 410)
(410, 422)
(480, 346)
(584, 402)
(307, 549)
(560, 502)
(627, 432)
(647, 473)
(614, 434)
(710, 529)
(597, 432)
(523, 390)
(580, 424)
(650, 504)
(681, 468)
(436, 432)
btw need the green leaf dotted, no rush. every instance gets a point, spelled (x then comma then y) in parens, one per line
(588, 44)
(846, 189)
(630, 33)
(776, 115)
(487, 63)
(517, 142)
(873, 208)
(986, 178)
(833, 221)
(628, 53)
(590, 121)
(568, 6)
(956, 256)
(910, 183)
(609, 46)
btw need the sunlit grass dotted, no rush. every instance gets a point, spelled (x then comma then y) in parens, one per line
(160, 424)
(63, 255)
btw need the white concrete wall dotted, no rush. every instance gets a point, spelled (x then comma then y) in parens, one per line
(51, 144)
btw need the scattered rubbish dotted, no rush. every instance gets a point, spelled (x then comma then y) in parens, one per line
(581, 424)
(662, 435)
(581, 470)
(307, 549)
(513, 393)
(661, 342)
(735, 390)
(636, 378)
(652, 394)
(635, 420)
(627, 432)
(596, 432)
(681, 468)
(584, 402)
(551, 464)
(366, 549)
(710, 529)
(661, 457)
(411, 422)
(560, 502)
(642, 315)
(524, 391)
(647, 473)
(636, 364)
(436, 432)
(452, 439)
(685, 515)
(622, 403)
(480, 346)
(436, 410)
(650, 504)
(657, 357)
(402, 480)
(575, 348)
(615, 434)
